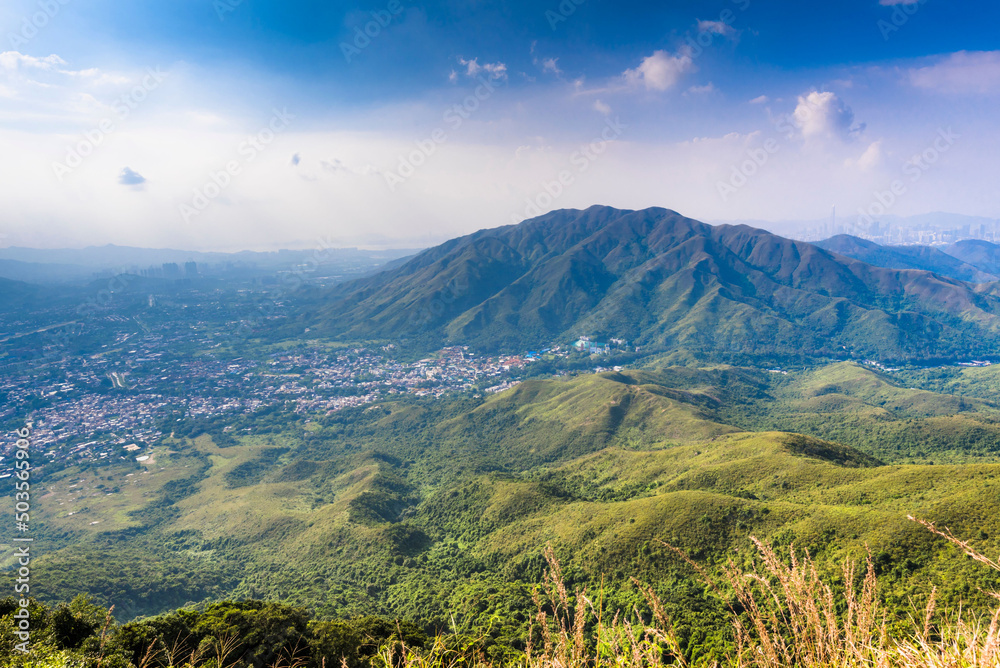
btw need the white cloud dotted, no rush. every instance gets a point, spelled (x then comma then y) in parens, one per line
(660, 71)
(85, 103)
(870, 159)
(602, 108)
(891, 3)
(551, 65)
(961, 72)
(336, 166)
(98, 77)
(473, 68)
(718, 28)
(498, 70)
(44, 89)
(702, 90)
(13, 61)
(475, 184)
(824, 115)
(760, 99)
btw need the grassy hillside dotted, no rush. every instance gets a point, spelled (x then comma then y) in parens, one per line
(873, 412)
(438, 511)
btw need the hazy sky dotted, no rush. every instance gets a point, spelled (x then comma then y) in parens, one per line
(227, 124)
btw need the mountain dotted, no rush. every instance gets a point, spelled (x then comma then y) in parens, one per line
(983, 255)
(25, 298)
(664, 282)
(924, 258)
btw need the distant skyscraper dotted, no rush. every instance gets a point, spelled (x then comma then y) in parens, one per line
(191, 269)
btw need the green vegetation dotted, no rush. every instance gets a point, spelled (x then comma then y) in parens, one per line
(247, 633)
(951, 422)
(435, 511)
(781, 613)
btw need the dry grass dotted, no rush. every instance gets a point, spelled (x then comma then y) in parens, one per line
(220, 652)
(561, 626)
(568, 631)
(785, 614)
(790, 618)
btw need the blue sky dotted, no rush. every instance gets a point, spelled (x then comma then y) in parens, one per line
(229, 124)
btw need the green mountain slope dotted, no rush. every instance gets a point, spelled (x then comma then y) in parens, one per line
(664, 282)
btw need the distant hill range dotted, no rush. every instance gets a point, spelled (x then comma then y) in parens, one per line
(64, 265)
(972, 261)
(981, 254)
(673, 285)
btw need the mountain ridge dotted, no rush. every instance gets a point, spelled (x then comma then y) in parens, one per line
(664, 282)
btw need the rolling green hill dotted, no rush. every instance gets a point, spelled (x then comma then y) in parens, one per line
(867, 410)
(437, 511)
(666, 283)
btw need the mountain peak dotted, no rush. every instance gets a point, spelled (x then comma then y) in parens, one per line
(664, 282)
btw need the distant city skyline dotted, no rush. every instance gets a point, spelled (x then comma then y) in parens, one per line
(229, 125)
(925, 229)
